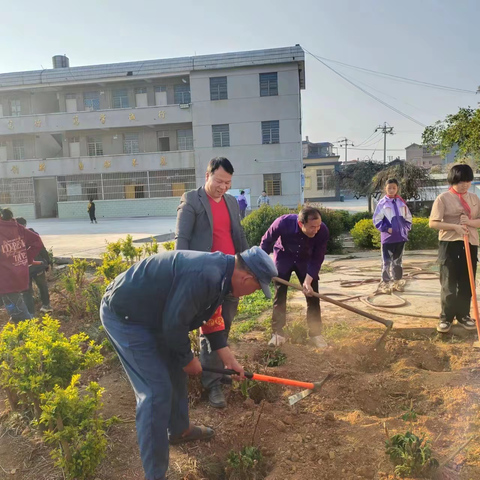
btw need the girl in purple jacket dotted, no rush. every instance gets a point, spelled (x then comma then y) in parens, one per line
(394, 220)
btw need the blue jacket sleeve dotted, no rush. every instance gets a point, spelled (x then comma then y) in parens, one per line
(190, 298)
(379, 220)
(271, 236)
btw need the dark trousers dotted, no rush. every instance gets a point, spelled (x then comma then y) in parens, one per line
(392, 258)
(279, 316)
(92, 216)
(16, 307)
(242, 214)
(41, 281)
(209, 358)
(456, 293)
(160, 387)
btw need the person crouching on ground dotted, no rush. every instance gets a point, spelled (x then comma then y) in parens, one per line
(18, 248)
(394, 220)
(299, 243)
(148, 312)
(456, 213)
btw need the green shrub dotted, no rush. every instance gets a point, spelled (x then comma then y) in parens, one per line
(365, 235)
(421, 236)
(170, 245)
(74, 425)
(245, 465)
(257, 223)
(334, 220)
(349, 219)
(411, 455)
(273, 357)
(35, 356)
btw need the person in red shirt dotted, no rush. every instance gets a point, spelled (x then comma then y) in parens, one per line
(208, 220)
(18, 248)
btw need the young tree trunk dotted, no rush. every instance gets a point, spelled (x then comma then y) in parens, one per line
(12, 399)
(63, 442)
(369, 201)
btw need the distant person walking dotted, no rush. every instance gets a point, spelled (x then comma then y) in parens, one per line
(394, 220)
(37, 274)
(91, 211)
(242, 204)
(18, 248)
(456, 213)
(263, 199)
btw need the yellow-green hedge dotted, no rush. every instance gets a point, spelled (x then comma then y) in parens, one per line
(420, 237)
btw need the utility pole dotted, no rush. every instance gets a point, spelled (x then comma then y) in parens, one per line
(344, 143)
(386, 131)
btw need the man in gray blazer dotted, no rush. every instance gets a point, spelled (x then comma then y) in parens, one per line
(208, 220)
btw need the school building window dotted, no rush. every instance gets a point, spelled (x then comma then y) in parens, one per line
(272, 183)
(271, 132)
(221, 135)
(268, 84)
(218, 88)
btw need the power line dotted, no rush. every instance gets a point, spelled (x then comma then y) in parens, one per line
(408, 117)
(399, 78)
(367, 139)
(395, 98)
(388, 149)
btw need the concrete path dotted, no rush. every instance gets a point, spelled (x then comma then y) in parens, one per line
(80, 238)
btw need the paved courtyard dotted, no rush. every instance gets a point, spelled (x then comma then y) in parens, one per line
(80, 238)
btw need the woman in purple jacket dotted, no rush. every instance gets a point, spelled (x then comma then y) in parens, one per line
(242, 204)
(394, 220)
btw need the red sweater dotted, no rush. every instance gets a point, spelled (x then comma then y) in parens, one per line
(18, 247)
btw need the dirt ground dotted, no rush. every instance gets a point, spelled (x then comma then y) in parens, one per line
(337, 433)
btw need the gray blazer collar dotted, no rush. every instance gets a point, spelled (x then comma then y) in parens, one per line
(203, 198)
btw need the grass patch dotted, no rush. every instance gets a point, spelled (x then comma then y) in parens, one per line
(296, 332)
(337, 331)
(327, 268)
(251, 306)
(240, 328)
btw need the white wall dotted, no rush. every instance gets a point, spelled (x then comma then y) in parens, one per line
(244, 111)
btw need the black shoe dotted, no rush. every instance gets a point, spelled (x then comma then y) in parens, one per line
(444, 326)
(216, 398)
(467, 323)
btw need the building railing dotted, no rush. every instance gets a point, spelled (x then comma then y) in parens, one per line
(96, 119)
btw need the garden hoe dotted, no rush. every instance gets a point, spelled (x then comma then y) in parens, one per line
(376, 318)
(473, 289)
(310, 387)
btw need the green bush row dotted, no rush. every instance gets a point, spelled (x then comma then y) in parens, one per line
(338, 221)
(40, 369)
(420, 237)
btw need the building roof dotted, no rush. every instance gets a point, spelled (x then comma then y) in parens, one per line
(416, 145)
(321, 144)
(153, 68)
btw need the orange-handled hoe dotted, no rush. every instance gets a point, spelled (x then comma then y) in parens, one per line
(310, 386)
(472, 287)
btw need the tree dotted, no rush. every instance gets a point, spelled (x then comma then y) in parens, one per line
(461, 129)
(411, 179)
(357, 177)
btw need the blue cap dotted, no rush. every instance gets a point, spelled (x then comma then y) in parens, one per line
(262, 266)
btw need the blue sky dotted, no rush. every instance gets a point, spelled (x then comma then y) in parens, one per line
(434, 41)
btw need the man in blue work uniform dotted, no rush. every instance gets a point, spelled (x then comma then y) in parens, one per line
(148, 312)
